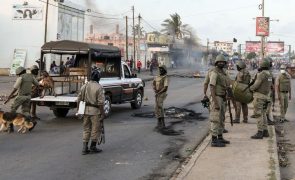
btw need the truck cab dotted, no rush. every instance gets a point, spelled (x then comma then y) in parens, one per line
(120, 85)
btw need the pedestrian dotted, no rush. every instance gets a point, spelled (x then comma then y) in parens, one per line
(160, 87)
(151, 67)
(172, 64)
(243, 77)
(131, 64)
(68, 62)
(261, 89)
(35, 92)
(218, 86)
(93, 94)
(23, 85)
(72, 61)
(148, 64)
(283, 86)
(53, 67)
(138, 65)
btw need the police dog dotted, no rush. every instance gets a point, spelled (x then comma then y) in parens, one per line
(46, 83)
(6, 118)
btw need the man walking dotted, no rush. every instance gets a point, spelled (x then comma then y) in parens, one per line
(160, 86)
(283, 86)
(261, 89)
(218, 86)
(138, 65)
(93, 94)
(23, 85)
(244, 77)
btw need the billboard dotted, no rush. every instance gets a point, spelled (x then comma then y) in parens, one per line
(253, 46)
(275, 47)
(153, 38)
(270, 47)
(262, 26)
(25, 12)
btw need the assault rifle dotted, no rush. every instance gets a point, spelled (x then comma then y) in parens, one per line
(9, 98)
(102, 135)
(230, 98)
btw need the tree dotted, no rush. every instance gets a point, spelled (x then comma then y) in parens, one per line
(251, 55)
(174, 27)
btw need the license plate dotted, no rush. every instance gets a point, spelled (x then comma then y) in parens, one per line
(60, 103)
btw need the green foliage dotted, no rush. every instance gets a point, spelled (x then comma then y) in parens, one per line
(251, 55)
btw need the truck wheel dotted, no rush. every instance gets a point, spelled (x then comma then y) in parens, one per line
(136, 104)
(107, 105)
(60, 112)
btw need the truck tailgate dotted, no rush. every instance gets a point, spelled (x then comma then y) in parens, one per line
(56, 99)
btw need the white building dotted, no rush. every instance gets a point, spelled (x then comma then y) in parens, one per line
(23, 29)
(224, 46)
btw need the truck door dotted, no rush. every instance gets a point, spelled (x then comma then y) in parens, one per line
(127, 89)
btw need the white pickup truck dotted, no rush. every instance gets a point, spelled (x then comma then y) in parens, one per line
(120, 85)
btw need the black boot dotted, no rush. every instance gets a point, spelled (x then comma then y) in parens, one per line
(10, 128)
(216, 143)
(85, 149)
(258, 135)
(236, 121)
(265, 133)
(224, 141)
(159, 125)
(162, 123)
(225, 131)
(93, 148)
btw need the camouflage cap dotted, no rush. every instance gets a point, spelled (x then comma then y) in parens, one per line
(19, 70)
(163, 66)
(220, 58)
(241, 64)
(34, 67)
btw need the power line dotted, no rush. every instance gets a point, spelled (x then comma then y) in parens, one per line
(150, 25)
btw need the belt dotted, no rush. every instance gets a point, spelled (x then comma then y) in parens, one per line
(92, 105)
(284, 91)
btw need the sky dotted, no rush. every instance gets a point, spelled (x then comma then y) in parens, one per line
(216, 20)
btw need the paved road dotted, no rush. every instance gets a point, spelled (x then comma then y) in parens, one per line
(132, 150)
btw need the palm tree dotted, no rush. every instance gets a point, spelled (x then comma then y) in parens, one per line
(174, 26)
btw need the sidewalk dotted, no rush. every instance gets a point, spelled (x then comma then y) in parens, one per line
(243, 159)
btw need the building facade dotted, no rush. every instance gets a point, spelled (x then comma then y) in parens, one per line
(23, 30)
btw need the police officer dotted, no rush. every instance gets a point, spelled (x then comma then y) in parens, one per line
(244, 77)
(93, 94)
(23, 85)
(261, 89)
(35, 93)
(283, 86)
(160, 86)
(218, 86)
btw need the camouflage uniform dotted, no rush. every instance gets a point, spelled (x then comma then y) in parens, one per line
(159, 83)
(244, 77)
(94, 97)
(283, 83)
(24, 85)
(261, 89)
(218, 78)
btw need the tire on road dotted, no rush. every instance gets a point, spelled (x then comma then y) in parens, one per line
(107, 105)
(136, 104)
(60, 112)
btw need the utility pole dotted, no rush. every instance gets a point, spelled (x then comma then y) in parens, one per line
(46, 17)
(133, 65)
(207, 56)
(139, 37)
(126, 38)
(289, 53)
(262, 37)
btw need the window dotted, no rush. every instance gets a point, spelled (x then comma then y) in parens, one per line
(126, 72)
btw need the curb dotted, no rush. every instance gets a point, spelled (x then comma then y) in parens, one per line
(273, 149)
(190, 162)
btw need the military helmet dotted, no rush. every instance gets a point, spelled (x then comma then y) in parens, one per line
(220, 58)
(241, 64)
(265, 63)
(163, 67)
(19, 70)
(95, 75)
(283, 66)
(34, 67)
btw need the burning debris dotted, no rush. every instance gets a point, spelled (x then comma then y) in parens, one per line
(188, 75)
(174, 113)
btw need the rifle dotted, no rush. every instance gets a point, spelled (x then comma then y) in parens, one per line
(102, 135)
(230, 98)
(9, 98)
